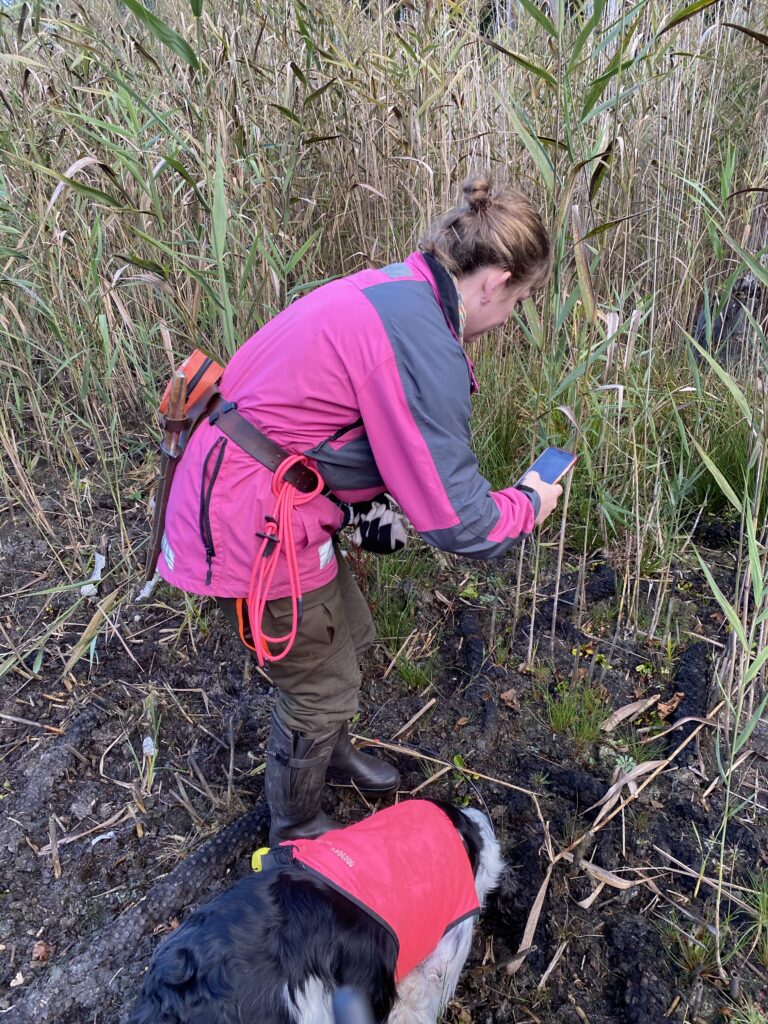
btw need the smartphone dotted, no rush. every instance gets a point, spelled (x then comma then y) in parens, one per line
(552, 465)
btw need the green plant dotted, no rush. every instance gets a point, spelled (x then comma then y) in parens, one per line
(576, 709)
(461, 778)
(625, 762)
(417, 675)
(540, 781)
(150, 744)
(394, 591)
(747, 1013)
(756, 897)
(698, 949)
(637, 748)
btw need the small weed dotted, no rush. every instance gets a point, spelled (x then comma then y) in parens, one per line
(669, 656)
(394, 617)
(394, 592)
(757, 899)
(146, 764)
(588, 651)
(696, 951)
(461, 778)
(577, 709)
(417, 675)
(625, 763)
(748, 1013)
(633, 747)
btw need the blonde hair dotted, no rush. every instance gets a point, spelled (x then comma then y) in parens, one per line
(492, 228)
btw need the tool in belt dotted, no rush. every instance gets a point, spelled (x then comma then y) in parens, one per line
(191, 395)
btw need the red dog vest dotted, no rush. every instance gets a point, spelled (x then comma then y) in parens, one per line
(406, 866)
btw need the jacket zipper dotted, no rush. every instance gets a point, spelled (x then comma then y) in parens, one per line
(205, 504)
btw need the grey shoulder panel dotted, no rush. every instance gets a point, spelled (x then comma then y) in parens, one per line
(347, 468)
(436, 380)
(463, 542)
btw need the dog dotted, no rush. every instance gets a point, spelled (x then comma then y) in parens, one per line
(385, 907)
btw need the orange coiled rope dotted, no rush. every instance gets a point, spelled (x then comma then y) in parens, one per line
(277, 536)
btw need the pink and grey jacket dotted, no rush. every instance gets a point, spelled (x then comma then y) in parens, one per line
(366, 376)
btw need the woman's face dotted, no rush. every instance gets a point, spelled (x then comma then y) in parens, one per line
(489, 299)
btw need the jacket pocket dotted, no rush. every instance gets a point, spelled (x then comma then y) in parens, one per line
(211, 467)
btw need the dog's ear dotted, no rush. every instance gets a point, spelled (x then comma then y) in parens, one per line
(178, 965)
(172, 966)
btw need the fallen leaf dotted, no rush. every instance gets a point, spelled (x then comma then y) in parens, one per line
(41, 951)
(525, 946)
(613, 795)
(666, 707)
(628, 712)
(18, 980)
(602, 874)
(511, 699)
(460, 724)
(587, 903)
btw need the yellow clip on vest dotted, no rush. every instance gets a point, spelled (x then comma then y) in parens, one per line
(256, 856)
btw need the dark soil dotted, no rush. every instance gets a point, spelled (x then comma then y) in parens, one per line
(77, 930)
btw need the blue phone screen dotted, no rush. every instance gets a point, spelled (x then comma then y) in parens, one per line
(551, 464)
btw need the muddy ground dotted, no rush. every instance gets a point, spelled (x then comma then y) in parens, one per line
(133, 852)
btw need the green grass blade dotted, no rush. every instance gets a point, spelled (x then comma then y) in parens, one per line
(219, 231)
(738, 395)
(722, 483)
(164, 33)
(755, 568)
(751, 32)
(684, 14)
(728, 611)
(749, 728)
(540, 17)
(587, 29)
(756, 666)
(528, 138)
(518, 58)
(760, 272)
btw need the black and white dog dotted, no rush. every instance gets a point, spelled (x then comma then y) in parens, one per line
(365, 907)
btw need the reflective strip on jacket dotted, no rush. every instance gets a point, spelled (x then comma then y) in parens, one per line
(367, 376)
(406, 866)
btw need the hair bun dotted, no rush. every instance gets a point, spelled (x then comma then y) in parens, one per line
(477, 193)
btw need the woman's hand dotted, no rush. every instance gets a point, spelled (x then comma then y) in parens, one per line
(548, 494)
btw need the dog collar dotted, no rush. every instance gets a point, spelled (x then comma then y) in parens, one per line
(265, 859)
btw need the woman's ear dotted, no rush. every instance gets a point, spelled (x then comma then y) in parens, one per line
(495, 279)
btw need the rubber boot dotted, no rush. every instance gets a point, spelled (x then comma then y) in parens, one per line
(349, 767)
(293, 782)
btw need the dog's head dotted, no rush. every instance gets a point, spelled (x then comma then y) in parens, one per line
(481, 845)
